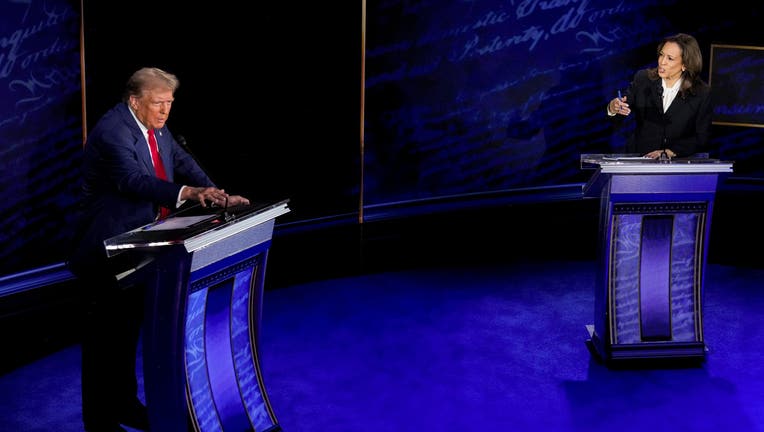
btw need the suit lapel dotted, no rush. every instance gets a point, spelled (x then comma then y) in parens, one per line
(139, 140)
(675, 104)
(142, 148)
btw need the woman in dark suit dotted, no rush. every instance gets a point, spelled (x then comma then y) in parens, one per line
(124, 189)
(670, 102)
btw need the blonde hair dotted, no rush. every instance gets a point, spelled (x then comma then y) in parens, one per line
(149, 78)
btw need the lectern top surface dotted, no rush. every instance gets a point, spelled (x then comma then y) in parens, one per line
(634, 163)
(188, 224)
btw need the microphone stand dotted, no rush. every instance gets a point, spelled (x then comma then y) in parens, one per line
(664, 141)
(184, 145)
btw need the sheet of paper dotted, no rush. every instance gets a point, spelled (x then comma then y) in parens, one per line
(176, 223)
(626, 158)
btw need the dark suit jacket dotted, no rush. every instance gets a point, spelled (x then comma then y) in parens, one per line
(120, 190)
(686, 125)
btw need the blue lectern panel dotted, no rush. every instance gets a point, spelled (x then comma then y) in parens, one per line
(686, 270)
(247, 365)
(196, 365)
(220, 367)
(653, 304)
(654, 273)
(627, 229)
(224, 384)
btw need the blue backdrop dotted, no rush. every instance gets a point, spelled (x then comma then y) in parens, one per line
(40, 129)
(467, 97)
(462, 98)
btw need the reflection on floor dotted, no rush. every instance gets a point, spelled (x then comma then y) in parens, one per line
(479, 347)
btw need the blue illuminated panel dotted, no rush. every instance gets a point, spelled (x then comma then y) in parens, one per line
(637, 280)
(225, 387)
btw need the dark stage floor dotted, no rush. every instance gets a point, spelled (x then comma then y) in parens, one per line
(497, 347)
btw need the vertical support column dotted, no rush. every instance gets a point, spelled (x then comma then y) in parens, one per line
(655, 278)
(163, 341)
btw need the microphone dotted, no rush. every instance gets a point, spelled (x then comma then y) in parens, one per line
(184, 145)
(664, 157)
(182, 141)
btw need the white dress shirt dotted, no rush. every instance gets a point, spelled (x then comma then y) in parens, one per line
(669, 93)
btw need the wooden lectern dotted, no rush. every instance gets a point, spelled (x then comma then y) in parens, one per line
(205, 275)
(655, 218)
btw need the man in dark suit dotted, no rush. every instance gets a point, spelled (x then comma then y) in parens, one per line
(123, 189)
(671, 103)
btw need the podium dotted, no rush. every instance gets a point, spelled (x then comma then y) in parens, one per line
(655, 219)
(204, 275)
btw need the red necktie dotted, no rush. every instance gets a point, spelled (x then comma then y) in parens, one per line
(158, 167)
